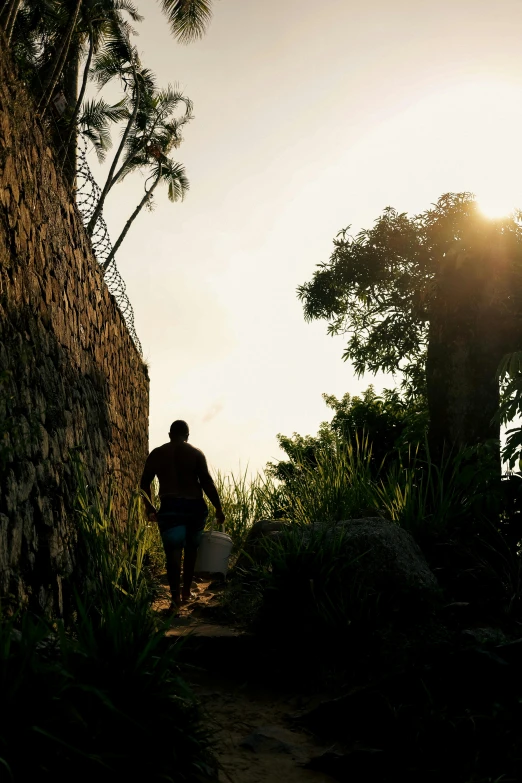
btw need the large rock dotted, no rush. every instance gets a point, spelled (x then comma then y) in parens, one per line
(386, 559)
(386, 555)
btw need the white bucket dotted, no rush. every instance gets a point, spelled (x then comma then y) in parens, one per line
(214, 552)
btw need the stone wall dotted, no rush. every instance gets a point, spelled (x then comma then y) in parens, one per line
(70, 375)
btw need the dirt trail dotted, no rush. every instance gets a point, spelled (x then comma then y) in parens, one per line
(255, 739)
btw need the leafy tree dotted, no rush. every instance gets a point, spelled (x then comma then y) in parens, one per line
(154, 134)
(153, 128)
(53, 39)
(391, 423)
(436, 296)
(102, 22)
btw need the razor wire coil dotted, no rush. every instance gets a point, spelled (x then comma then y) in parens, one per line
(87, 196)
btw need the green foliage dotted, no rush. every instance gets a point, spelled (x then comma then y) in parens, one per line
(381, 286)
(510, 377)
(39, 34)
(244, 500)
(310, 583)
(188, 19)
(40, 25)
(424, 496)
(95, 122)
(338, 486)
(111, 554)
(100, 48)
(456, 509)
(101, 694)
(98, 701)
(390, 423)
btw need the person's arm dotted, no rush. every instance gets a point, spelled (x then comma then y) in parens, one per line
(145, 483)
(209, 488)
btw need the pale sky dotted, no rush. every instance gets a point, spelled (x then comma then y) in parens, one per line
(309, 116)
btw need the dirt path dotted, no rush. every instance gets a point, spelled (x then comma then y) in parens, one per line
(255, 739)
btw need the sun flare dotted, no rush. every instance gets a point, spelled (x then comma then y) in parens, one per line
(495, 207)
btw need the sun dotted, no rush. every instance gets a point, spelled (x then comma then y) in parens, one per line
(495, 207)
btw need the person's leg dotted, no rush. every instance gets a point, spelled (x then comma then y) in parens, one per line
(189, 561)
(173, 557)
(173, 543)
(193, 541)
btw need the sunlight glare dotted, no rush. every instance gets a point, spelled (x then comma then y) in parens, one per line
(495, 206)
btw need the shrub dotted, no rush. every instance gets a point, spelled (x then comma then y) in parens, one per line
(307, 584)
(100, 696)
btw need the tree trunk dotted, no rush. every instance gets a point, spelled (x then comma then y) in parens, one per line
(109, 181)
(59, 62)
(470, 331)
(130, 221)
(69, 165)
(463, 390)
(10, 22)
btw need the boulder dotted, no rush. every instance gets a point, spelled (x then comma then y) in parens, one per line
(385, 556)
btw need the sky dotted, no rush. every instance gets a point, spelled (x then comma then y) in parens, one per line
(309, 117)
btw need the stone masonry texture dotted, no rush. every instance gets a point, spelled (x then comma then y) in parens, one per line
(71, 379)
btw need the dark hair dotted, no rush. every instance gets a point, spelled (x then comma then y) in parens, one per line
(179, 428)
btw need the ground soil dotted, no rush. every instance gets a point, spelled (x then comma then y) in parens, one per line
(255, 738)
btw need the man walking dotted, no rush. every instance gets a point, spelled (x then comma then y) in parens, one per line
(183, 477)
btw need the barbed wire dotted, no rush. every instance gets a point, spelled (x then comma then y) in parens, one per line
(87, 195)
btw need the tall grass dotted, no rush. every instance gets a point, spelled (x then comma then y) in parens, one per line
(452, 508)
(340, 485)
(309, 581)
(414, 491)
(112, 554)
(337, 487)
(101, 696)
(426, 497)
(246, 499)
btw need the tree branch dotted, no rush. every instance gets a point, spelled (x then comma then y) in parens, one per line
(108, 182)
(130, 221)
(74, 118)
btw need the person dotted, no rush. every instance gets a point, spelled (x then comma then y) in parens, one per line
(183, 477)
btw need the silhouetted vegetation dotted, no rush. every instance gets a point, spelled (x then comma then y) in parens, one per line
(61, 45)
(100, 695)
(427, 679)
(434, 297)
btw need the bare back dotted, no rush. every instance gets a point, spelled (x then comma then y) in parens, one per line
(181, 469)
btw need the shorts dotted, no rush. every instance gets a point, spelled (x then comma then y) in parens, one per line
(181, 522)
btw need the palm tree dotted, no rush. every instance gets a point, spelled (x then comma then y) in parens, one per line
(152, 131)
(51, 41)
(60, 58)
(54, 37)
(162, 170)
(124, 65)
(102, 21)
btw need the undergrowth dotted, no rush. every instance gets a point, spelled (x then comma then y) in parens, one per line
(100, 695)
(428, 691)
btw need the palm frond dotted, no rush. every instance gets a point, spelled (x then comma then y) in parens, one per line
(175, 177)
(129, 8)
(188, 19)
(95, 121)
